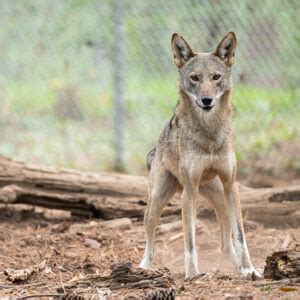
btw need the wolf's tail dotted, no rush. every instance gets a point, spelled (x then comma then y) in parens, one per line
(150, 158)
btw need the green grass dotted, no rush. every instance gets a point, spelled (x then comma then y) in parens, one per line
(31, 130)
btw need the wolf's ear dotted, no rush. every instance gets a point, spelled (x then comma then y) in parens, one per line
(182, 52)
(226, 49)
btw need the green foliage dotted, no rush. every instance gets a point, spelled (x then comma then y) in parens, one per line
(48, 47)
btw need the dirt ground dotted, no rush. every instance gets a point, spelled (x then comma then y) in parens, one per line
(72, 250)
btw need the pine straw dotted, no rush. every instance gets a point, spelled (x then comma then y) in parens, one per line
(73, 269)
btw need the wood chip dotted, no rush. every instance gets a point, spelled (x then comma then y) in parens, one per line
(283, 264)
(23, 274)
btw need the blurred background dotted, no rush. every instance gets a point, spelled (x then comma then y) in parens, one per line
(89, 84)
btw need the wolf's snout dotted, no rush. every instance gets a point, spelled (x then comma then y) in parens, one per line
(206, 100)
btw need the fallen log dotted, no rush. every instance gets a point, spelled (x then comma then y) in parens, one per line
(109, 196)
(103, 195)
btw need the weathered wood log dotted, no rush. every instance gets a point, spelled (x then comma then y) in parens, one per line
(283, 264)
(103, 195)
(109, 196)
(275, 207)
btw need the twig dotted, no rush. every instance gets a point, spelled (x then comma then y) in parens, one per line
(141, 284)
(61, 282)
(198, 276)
(175, 237)
(39, 296)
(7, 286)
(278, 282)
(288, 239)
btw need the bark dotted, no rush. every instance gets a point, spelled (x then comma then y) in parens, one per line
(157, 284)
(101, 195)
(109, 196)
(283, 264)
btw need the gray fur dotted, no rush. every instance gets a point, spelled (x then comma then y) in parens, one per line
(195, 153)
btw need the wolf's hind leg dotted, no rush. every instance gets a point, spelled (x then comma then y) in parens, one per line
(162, 187)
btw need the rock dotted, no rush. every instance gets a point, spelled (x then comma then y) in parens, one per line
(92, 243)
(61, 227)
(82, 228)
(122, 223)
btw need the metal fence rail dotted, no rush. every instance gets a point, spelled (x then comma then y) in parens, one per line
(89, 84)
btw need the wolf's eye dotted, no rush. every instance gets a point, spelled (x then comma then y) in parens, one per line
(194, 78)
(216, 77)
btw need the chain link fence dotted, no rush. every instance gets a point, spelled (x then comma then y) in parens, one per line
(89, 84)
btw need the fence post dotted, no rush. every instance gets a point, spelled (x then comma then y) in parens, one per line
(118, 97)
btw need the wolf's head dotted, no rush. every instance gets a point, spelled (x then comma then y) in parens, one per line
(205, 77)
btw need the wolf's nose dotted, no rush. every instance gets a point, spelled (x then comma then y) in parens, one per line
(206, 100)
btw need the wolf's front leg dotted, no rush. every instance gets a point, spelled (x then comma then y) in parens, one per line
(161, 188)
(242, 254)
(189, 228)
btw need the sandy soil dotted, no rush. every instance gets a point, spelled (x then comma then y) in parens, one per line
(75, 248)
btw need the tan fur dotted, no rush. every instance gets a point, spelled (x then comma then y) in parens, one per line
(195, 152)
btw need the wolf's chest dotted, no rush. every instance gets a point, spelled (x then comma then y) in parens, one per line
(204, 166)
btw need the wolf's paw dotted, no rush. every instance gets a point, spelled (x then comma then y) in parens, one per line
(195, 277)
(145, 264)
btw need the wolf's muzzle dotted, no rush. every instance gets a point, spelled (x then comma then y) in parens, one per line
(206, 100)
(206, 103)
